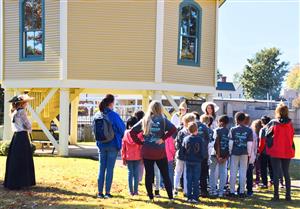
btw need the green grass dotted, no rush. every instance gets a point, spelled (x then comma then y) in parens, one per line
(71, 183)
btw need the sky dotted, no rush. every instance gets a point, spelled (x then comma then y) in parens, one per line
(247, 26)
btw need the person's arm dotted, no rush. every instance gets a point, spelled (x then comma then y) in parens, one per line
(262, 142)
(170, 128)
(135, 131)
(250, 143)
(124, 149)
(119, 124)
(230, 141)
(217, 146)
(25, 121)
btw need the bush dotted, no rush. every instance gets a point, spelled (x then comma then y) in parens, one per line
(4, 147)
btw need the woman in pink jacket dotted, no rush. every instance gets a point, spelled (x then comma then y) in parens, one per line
(131, 156)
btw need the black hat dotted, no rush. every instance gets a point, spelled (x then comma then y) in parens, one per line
(15, 99)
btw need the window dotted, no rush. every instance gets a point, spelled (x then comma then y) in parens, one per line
(190, 14)
(230, 96)
(220, 95)
(32, 32)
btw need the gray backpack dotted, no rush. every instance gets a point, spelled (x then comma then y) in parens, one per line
(103, 129)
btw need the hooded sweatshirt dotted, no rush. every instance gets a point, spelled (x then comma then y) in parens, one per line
(280, 135)
(130, 149)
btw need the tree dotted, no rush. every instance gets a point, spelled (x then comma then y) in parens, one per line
(264, 74)
(293, 78)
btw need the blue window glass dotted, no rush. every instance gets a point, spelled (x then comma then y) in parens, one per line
(32, 32)
(190, 14)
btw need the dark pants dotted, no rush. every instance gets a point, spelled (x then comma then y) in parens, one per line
(204, 177)
(250, 178)
(193, 174)
(265, 164)
(279, 164)
(257, 170)
(149, 178)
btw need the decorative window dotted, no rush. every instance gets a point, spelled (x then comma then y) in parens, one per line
(32, 30)
(190, 14)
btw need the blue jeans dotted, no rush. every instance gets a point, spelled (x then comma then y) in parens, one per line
(193, 171)
(133, 175)
(107, 157)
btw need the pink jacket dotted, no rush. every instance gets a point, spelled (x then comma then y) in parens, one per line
(130, 150)
(170, 148)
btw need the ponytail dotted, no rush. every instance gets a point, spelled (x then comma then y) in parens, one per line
(109, 98)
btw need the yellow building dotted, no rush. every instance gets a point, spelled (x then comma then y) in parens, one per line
(59, 49)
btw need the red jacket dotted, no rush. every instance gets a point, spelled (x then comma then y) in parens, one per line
(130, 149)
(262, 141)
(280, 136)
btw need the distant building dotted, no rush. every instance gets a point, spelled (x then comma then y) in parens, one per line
(290, 95)
(227, 90)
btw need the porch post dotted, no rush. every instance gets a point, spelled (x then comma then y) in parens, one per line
(74, 120)
(7, 131)
(64, 121)
(145, 101)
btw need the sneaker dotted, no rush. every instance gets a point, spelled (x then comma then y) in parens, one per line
(150, 201)
(175, 192)
(136, 194)
(204, 194)
(156, 192)
(264, 187)
(171, 201)
(195, 201)
(221, 195)
(249, 194)
(288, 198)
(108, 196)
(189, 200)
(100, 195)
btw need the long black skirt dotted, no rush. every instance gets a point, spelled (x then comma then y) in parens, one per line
(19, 163)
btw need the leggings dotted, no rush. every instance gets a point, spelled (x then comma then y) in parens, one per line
(278, 165)
(162, 164)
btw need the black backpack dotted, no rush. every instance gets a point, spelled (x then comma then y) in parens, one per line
(103, 129)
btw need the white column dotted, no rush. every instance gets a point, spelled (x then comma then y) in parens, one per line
(64, 103)
(74, 120)
(7, 131)
(145, 101)
(209, 97)
(160, 9)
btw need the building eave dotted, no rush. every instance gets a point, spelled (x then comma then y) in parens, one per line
(221, 2)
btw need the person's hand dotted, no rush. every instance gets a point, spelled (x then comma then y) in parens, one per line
(124, 162)
(160, 141)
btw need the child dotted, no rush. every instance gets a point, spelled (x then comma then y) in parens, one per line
(256, 126)
(131, 156)
(240, 145)
(180, 164)
(193, 156)
(221, 147)
(265, 162)
(204, 127)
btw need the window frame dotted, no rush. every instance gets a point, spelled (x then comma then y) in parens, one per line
(198, 35)
(21, 34)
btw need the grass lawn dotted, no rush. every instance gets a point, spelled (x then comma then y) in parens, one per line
(71, 183)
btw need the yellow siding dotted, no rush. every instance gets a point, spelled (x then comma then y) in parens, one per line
(173, 73)
(111, 40)
(49, 68)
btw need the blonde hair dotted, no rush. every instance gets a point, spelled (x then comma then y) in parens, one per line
(204, 119)
(256, 126)
(282, 111)
(187, 118)
(192, 127)
(155, 108)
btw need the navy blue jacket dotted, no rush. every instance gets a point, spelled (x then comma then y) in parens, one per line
(178, 143)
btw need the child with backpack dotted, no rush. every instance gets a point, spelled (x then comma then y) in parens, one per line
(207, 121)
(221, 147)
(240, 145)
(192, 148)
(131, 156)
(180, 158)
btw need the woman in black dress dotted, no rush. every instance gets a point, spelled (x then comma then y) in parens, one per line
(19, 163)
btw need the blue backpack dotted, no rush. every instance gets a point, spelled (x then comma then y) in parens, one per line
(103, 129)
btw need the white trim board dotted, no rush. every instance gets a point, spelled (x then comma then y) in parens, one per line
(160, 10)
(63, 29)
(117, 85)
